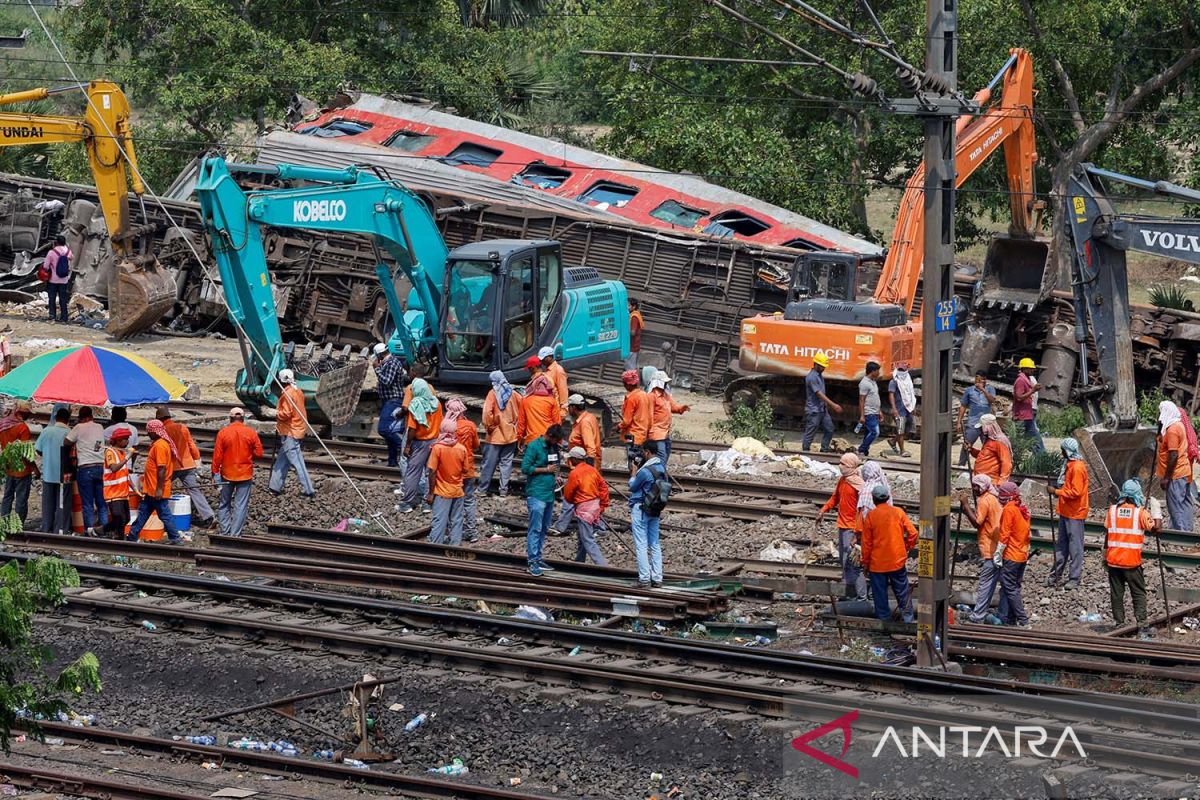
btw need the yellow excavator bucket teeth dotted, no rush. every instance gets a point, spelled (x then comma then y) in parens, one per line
(138, 299)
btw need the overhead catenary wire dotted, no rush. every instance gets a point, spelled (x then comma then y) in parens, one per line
(376, 515)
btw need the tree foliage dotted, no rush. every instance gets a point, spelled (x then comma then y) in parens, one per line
(25, 687)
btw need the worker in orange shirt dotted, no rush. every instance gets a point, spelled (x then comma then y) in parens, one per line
(468, 437)
(1012, 554)
(540, 403)
(291, 424)
(448, 470)
(504, 422)
(992, 450)
(887, 536)
(985, 516)
(236, 448)
(637, 415)
(156, 484)
(1173, 467)
(1126, 526)
(585, 429)
(185, 471)
(1072, 510)
(557, 376)
(845, 500)
(424, 421)
(18, 478)
(118, 456)
(587, 491)
(664, 406)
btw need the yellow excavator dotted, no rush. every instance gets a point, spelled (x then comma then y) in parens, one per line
(141, 291)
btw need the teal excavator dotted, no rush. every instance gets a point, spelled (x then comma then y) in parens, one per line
(484, 306)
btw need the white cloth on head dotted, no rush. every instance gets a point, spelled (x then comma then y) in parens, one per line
(908, 395)
(1168, 415)
(872, 476)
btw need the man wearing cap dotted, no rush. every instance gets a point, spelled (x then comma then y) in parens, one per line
(88, 438)
(557, 376)
(663, 408)
(156, 484)
(585, 429)
(449, 465)
(587, 491)
(540, 403)
(887, 536)
(185, 467)
(1126, 526)
(236, 448)
(976, 401)
(18, 478)
(389, 385)
(118, 457)
(637, 415)
(540, 467)
(817, 405)
(504, 422)
(291, 424)
(637, 324)
(1024, 396)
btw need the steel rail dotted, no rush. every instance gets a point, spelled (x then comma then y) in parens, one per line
(411, 785)
(1162, 758)
(86, 785)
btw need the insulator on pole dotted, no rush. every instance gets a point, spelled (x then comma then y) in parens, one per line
(862, 84)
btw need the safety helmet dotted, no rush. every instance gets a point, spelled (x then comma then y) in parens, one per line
(1027, 363)
(820, 359)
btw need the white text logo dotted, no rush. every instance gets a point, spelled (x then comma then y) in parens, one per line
(318, 210)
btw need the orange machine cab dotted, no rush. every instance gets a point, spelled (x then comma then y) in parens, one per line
(779, 346)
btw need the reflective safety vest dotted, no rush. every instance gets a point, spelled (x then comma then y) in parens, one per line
(116, 484)
(1125, 535)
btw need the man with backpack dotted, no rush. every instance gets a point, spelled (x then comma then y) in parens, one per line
(649, 490)
(56, 272)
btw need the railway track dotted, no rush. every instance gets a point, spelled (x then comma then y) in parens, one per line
(714, 676)
(407, 786)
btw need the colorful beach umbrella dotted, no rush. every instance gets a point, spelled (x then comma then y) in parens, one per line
(91, 376)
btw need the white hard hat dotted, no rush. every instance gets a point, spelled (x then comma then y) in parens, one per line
(575, 400)
(286, 376)
(380, 349)
(577, 452)
(546, 352)
(237, 411)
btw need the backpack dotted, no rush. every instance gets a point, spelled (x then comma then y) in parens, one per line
(656, 496)
(62, 268)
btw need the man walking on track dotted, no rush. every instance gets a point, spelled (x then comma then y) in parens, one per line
(156, 484)
(817, 406)
(236, 448)
(291, 424)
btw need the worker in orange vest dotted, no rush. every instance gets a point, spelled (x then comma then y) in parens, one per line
(1012, 554)
(1126, 526)
(118, 455)
(637, 416)
(291, 425)
(887, 536)
(1072, 509)
(845, 500)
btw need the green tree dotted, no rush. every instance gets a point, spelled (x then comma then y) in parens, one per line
(25, 686)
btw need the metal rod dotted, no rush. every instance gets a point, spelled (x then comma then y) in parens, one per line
(699, 59)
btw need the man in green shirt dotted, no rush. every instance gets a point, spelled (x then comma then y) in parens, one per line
(540, 467)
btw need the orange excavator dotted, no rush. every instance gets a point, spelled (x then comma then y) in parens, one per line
(823, 313)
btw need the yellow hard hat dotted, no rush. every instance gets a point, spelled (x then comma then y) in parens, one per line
(820, 359)
(1027, 362)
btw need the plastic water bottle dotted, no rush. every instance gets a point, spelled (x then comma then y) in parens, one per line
(358, 523)
(207, 740)
(456, 767)
(858, 428)
(416, 722)
(354, 762)
(325, 754)
(148, 625)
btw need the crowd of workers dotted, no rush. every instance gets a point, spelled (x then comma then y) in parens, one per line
(874, 538)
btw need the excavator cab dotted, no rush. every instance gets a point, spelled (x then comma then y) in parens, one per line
(505, 299)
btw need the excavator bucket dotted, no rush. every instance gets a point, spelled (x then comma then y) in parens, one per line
(139, 297)
(333, 382)
(1115, 456)
(1015, 276)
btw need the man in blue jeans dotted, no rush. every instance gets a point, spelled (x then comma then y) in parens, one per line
(389, 376)
(976, 401)
(645, 523)
(540, 467)
(88, 438)
(869, 407)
